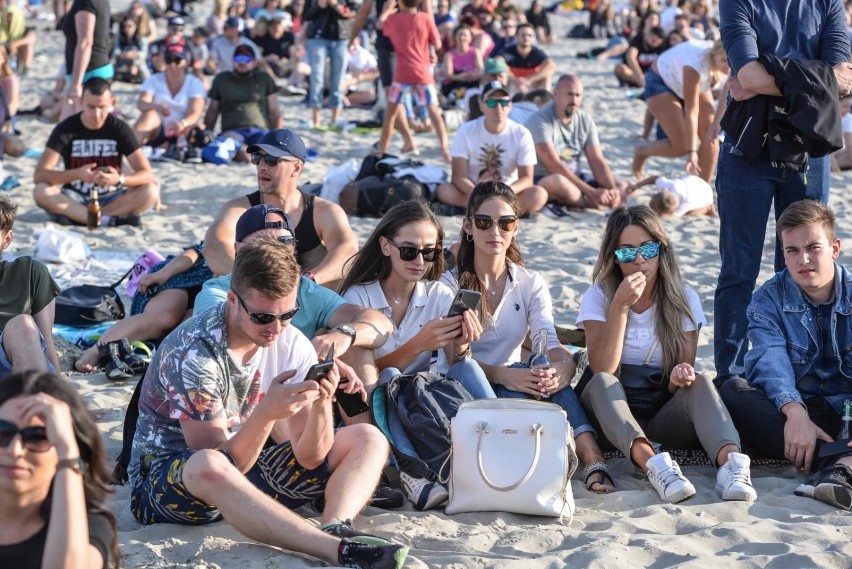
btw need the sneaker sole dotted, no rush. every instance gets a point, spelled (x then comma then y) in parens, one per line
(431, 501)
(400, 555)
(834, 495)
(734, 496)
(117, 375)
(685, 493)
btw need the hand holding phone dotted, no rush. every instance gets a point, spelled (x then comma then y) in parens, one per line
(320, 371)
(464, 300)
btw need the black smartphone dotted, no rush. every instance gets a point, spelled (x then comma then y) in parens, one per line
(351, 403)
(318, 372)
(834, 448)
(464, 300)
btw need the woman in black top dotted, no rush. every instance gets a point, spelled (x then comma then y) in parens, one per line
(86, 20)
(54, 479)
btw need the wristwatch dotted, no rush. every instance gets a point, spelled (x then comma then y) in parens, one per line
(348, 330)
(75, 464)
(121, 179)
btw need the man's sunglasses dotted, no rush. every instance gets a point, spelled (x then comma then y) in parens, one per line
(504, 222)
(628, 254)
(33, 438)
(243, 59)
(257, 158)
(410, 253)
(264, 318)
(173, 60)
(492, 103)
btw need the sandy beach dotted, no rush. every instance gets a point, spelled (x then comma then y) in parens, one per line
(630, 527)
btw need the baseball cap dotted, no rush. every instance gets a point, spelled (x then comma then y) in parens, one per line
(496, 65)
(281, 143)
(254, 219)
(244, 49)
(176, 21)
(180, 50)
(284, 17)
(493, 87)
(235, 22)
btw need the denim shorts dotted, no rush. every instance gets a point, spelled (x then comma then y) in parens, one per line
(103, 199)
(654, 84)
(159, 495)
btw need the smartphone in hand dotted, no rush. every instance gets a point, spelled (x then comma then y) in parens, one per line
(320, 371)
(350, 403)
(465, 300)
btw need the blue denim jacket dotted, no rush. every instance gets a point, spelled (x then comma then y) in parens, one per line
(785, 342)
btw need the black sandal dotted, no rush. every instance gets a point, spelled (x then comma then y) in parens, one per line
(597, 468)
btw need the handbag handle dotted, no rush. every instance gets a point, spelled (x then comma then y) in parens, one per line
(482, 429)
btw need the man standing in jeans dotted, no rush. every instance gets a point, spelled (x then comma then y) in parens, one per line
(746, 189)
(799, 368)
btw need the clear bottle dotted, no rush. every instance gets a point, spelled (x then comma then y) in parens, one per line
(93, 216)
(847, 420)
(539, 358)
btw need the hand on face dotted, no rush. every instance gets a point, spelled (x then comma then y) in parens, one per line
(56, 416)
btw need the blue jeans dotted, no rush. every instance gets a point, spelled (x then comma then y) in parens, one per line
(565, 398)
(746, 190)
(318, 51)
(467, 372)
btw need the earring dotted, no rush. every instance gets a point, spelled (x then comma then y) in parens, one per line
(469, 236)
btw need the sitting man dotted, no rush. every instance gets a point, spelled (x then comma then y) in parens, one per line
(496, 146)
(247, 99)
(529, 67)
(92, 144)
(354, 331)
(198, 452)
(563, 134)
(223, 48)
(174, 36)
(797, 370)
(27, 306)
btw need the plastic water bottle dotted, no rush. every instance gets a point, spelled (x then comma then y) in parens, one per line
(539, 358)
(143, 264)
(847, 419)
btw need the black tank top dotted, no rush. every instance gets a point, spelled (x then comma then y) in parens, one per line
(309, 248)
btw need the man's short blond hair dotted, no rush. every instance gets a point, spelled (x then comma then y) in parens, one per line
(267, 266)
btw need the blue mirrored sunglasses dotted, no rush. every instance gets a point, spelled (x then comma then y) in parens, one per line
(628, 254)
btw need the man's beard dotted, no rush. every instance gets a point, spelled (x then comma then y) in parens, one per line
(246, 74)
(568, 112)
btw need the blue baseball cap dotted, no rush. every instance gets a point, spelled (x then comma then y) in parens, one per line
(281, 143)
(235, 22)
(254, 219)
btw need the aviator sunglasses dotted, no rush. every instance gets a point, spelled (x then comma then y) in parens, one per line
(264, 318)
(33, 438)
(410, 253)
(492, 103)
(628, 254)
(504, 222)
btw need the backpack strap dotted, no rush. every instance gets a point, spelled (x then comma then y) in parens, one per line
(114, 285)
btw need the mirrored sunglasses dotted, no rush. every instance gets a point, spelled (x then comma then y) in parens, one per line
(505, 222)
(33, 438)
(492, 103)
(243, 59)
(264, 318)
(410, 253)
(628, 254)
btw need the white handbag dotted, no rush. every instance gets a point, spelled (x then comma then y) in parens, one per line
(512, 455)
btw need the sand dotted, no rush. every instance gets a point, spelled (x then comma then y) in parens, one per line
(629, 527)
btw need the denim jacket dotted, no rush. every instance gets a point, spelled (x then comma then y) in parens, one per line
(785, 341)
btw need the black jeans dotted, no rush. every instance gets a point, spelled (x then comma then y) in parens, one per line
(761, 424)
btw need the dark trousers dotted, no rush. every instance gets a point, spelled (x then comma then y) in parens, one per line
(761, 424)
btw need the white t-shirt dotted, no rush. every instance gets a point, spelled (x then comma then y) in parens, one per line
(692, 191)
(291, 350)
(192, 88)
(431, 300)
(504, 151)
(672, 62)
(640, 333)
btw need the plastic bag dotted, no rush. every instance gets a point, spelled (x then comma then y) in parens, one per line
(337, 177)
(56, 246)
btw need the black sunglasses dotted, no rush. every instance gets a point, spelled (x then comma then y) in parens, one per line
(504, 222)
(410, 253)
(173, 60)
(264, 318)
(257, 158)
(33, 438)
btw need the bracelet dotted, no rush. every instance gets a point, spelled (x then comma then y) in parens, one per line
(183, 123)
(693, 151)
(465, 354)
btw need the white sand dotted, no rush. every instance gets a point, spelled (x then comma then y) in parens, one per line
(630, 527)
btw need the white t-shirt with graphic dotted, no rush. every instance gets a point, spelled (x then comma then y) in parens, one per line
(483, 150)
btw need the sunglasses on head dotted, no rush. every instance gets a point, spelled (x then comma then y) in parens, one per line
(257, 158)
(504, 222)
(628, 254)
(173, 60)
(492, 103)
(243, 59)
(410, 253)
(33, 438)
(264, 318)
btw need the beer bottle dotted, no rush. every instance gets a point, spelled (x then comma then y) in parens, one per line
(93, 219)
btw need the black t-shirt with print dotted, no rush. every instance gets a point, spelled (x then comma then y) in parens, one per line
(646, 56)
(79, 146)
(281, 47)
(100, 44)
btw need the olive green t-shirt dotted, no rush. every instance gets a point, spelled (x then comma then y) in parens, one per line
(242, 100)
(26, 287)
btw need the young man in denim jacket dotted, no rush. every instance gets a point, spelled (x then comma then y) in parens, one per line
(799, 368)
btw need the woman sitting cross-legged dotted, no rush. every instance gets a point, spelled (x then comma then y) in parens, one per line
(516, 302)
(642, 325)
(395, 272)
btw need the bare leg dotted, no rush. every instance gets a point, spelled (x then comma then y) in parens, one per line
(22, 344)
(147, 125)
(440, 131)
(666, 108)
(387, 126)
(356, 460)
(52, 200)
(532, 198)
(589, 453)
(561, 190)
(134, 201)
(722, 457)
(451, 195)
(641, 452)
(708, 152)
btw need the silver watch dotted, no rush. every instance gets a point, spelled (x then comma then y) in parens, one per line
(348, 330)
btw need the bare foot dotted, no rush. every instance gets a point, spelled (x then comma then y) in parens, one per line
(638, 166)
(88, 361)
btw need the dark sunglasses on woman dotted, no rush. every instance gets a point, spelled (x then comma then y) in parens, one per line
(410, 253)
(628, 254)
(33, 438)
(504, 222)
(264, 318)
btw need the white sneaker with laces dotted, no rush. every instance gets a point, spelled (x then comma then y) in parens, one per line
(667, 479)
(733, 480)
(425, 495)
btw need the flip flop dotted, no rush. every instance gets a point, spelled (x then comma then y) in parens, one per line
(597, 468)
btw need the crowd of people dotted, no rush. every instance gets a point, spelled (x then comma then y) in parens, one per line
(226, 418)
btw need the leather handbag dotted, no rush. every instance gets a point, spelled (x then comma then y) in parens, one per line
(512, 455)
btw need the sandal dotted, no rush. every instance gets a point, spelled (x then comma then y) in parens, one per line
(601, 469)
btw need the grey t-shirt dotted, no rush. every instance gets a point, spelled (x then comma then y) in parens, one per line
(569, 140)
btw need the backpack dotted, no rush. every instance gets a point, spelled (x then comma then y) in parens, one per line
(86, 305)
(374, 196)
(425, 403)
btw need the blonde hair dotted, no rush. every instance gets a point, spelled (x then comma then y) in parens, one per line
(716, 75)
(664, 203)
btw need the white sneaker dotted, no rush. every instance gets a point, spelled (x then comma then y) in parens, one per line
(733, 480)
(667, 479)
(425, 495)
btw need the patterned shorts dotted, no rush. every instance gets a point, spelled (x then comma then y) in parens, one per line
(159, 495)
(424, 95)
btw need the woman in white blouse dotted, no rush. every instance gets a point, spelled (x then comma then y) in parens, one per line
(517, 303)
(642, 326)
